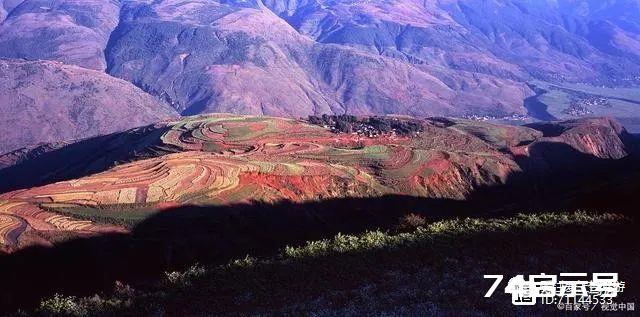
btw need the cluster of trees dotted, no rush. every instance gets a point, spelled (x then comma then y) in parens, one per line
(403, 127)
(369, 125)
(343, 123)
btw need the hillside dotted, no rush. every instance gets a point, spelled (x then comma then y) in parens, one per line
(225, 160)
(412, 273)
(210, 189)
(44, 102)
(317, 157)
(295, 58)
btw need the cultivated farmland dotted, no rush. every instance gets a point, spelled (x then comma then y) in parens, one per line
(225, 159)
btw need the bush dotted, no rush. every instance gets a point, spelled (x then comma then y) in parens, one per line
(344, 126)
(59, 305)
(315, 120)
(411, 222)
(182, 279)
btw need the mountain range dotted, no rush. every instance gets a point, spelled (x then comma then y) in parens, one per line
(296, 58)
(314, 157)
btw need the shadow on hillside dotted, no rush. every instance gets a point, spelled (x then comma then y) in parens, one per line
(181, 236)
(554, 177)
(86, 157)
(537, 109)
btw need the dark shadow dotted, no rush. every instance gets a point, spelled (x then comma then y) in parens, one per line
(558, 177)
(554, 177)
(197, 107)
(178, 237)
(535, 108)
(86, 157)
(548, 129)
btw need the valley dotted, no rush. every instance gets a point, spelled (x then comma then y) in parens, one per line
(315, 157)
(213, 188)
(566, 101)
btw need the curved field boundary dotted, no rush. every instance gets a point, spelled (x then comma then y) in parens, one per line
(222, 159)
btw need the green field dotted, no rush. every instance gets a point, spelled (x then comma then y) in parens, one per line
(126, 215)
(623, 103)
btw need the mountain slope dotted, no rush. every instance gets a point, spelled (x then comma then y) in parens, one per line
(230, 58)
(294, 58)
(568, 40)
(70, 31)
(242, 58)
(49, 102)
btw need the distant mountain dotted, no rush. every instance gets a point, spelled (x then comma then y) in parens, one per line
(46, 101)
(295, 58)
(73, 32)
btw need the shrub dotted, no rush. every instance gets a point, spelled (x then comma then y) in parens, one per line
(185, 278)
(316, 120)
(59, 305)
(248, 261)
(344, 126)
(123, 290)
(411, 222)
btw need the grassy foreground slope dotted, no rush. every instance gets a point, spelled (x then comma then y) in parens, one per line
(434, 269)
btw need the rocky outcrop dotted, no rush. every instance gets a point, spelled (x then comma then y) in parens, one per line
(603, 138)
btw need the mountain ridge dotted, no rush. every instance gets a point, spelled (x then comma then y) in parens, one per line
(456, 58)
(447, 48)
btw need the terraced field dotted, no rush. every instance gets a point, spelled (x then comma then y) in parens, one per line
(21, 222)
(222, 159)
